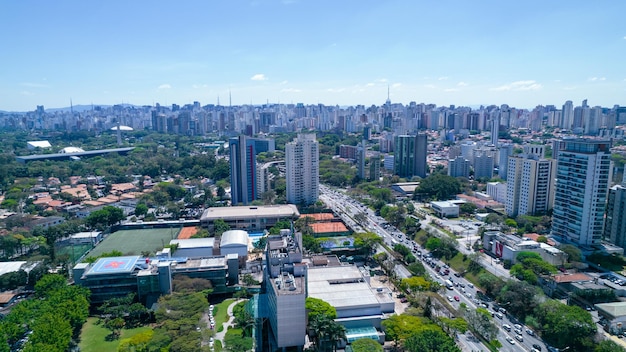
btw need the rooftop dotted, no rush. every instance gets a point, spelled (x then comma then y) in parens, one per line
(343, 287)
(615, 309)
(260, 211)
(234, 237)
(571, 278)
(116, 265)
(194, 242)
(10, 267)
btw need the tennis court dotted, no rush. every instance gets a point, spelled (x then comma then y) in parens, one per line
(133, 242)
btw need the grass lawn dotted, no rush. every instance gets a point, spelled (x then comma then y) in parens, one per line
(93, 337)
(460, 266)
(220, 312)
(133, 242)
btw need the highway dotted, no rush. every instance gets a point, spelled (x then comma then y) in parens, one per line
(463, 291)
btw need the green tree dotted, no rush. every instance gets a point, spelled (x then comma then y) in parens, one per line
(220, 226)
(438, 186)
(430, 340)
(141, 209)
(566, 326)
(573, 253)
(317, 308)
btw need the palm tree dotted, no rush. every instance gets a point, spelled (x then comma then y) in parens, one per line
(328, 332)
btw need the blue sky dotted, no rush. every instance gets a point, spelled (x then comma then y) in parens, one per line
(345, 52)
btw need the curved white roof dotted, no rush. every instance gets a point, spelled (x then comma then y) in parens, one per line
(68, 150)
(122, 128)
(234, 238)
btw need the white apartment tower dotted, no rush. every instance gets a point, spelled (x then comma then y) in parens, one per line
(530, 185)
(302, 165)
(583, 176)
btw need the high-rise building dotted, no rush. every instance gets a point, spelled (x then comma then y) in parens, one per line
(374, 174)
(284, 285)
(583, 176)
(530, 185)
(410, 155)
(483, 164)
(505, 151)
(615, 220)
(360, 160)
(302, 169)
(495, 130)
(459, 167)
(568, 115)
(243, 172)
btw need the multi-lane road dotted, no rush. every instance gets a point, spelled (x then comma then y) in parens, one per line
(463, 291)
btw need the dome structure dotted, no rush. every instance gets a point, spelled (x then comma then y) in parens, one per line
(122, 128)
(69, 150)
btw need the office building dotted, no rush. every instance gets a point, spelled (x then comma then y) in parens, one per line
(615, 221)
(497, 191)
(302, 169)
(243, 172)
(410, 155)
(583, 176)
(459, 167)
(284, 285)
(530, 185)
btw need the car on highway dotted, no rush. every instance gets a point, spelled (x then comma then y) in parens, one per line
(530, 332)
(499, 315)
(537, 347)
(450, 298)
(510, 340)
(519, 338)
(456, 298)
(506, 327)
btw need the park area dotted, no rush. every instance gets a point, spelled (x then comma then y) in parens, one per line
(93, 337)
(134, 242)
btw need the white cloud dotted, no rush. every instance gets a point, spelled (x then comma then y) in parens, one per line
(431, 86)
(33, 85)
(335, 90)
(451, 90)
(259, 77)
(396, 85)
(369, 84)
(291, 90)
(519, 85)
(284, 82)
(593, 79)
(25, 92)
(462, 84)
(443, 78)
(570, 88)
(382, 80)
(165, 86)
(624, 37)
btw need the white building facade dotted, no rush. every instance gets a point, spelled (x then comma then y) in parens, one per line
(302, 169)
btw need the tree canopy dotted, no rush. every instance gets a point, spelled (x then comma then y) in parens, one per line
(438, 186)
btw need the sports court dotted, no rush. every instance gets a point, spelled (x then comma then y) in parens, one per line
(133, 242)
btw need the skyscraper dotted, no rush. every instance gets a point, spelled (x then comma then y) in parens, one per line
(242, 170)
(530, 185)
(505, 151)
(360, 160)
(302, 165)
(583, 176)
(615, 221)
(410, 155)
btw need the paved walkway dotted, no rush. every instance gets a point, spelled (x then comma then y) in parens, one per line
(220, 335)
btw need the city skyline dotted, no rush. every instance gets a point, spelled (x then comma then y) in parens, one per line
(290, 51)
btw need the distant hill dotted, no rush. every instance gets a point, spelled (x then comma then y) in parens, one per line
(77, 108)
